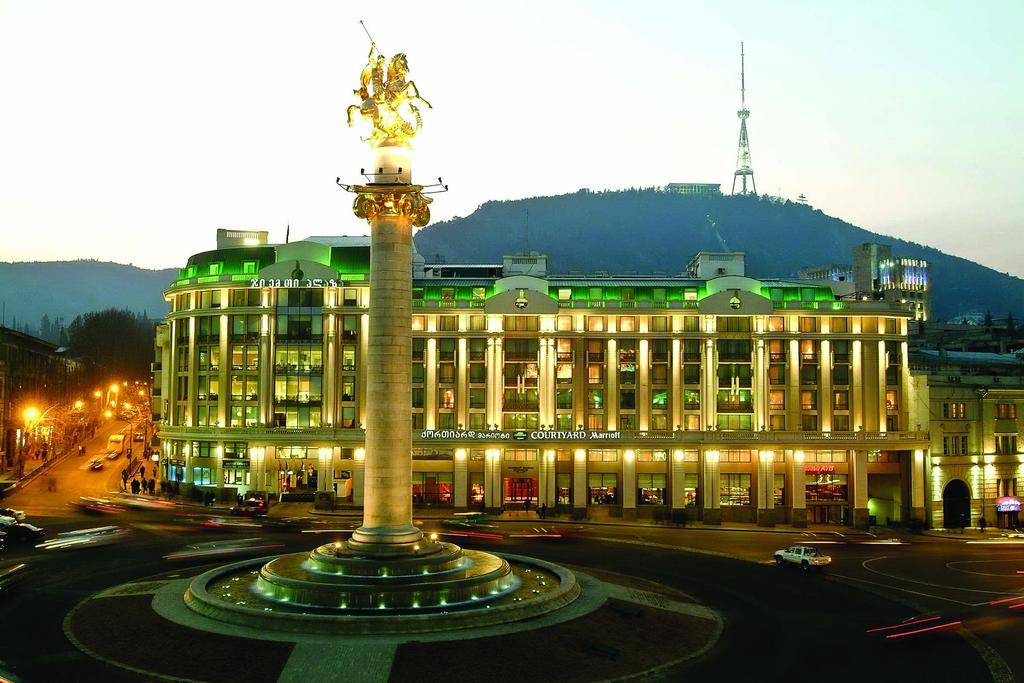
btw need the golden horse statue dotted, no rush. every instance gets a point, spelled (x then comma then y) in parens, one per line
(385, 98)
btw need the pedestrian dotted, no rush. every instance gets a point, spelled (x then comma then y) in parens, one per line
(982, 523)
(135, 487)
(142, 471)
(526, 505)
(240, 498)
(543, 510)
(124, 479)
(152, 486)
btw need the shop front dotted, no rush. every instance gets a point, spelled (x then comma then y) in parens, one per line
(1008, 512)
(827, 495)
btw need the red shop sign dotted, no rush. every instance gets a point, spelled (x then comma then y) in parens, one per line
(815, 469)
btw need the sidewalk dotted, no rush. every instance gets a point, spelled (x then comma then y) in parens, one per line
(301, 509)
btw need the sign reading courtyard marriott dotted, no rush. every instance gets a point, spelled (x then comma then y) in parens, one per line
(472, 435)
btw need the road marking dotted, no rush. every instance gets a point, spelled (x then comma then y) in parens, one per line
(949, 565)
(865, 563)
(905, 590)
(667, 546)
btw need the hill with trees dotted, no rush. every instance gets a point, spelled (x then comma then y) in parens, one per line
(649, 231)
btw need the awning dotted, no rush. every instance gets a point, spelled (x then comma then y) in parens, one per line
(1008, 504)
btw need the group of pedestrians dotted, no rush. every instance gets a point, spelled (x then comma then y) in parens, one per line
(138, 482)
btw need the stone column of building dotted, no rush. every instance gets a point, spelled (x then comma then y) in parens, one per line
(677, 386)
(324, 456)
(460, 479)
(265, 378)
(917, 485)
(766, 488)
(643, 386)
(546, 383)
(269, 456)
(856, 384)
(329, 414)
(611, 394)
(430, 383)
(798, 490)
(757, 386)
(579, 383)
(825, 386)
(882, 409)
(905, 388)
(462, 382)
(859, 475)
(193, 373)
(678, 480)
(629, 484)
(709, 385)
(547, 482)
(387, 507)
(224, 371)
(580, 492)
(711, 490)
(793, 404)
(492, 479)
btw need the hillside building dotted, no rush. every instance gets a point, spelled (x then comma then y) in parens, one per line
(707, 189)
(733, 398)
(876, 273)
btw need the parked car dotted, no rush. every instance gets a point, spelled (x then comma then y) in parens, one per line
(18, 515)
(24, 533)
(804, 556)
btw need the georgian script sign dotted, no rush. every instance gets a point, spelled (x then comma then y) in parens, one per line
(819, 469)
(545, 435)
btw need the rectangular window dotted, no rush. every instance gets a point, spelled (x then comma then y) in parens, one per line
(604, 488)
(659, 323)
(734, 489)
(627, 323)
(602, 455)
(776, 323)
(1006, 411)
(650, 489)
(595, 323)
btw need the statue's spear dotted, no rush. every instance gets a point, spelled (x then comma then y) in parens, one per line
(372, 41)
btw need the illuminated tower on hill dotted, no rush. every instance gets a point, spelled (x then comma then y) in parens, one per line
(743, 169)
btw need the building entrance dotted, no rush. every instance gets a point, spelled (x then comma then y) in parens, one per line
(827, 514)
(518, 490)
(956, 505)
(296, 476)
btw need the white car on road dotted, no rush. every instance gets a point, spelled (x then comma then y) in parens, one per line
(804, 556)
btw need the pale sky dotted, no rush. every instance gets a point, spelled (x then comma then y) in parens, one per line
(130, 131)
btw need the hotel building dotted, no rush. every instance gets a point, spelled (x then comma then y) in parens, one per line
(733, 398)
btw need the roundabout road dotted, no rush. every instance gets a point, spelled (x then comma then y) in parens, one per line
(780, 624)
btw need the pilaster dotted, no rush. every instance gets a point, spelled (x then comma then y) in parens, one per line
(629, 485)
(859, 464)
(711, 490)
(766, 488)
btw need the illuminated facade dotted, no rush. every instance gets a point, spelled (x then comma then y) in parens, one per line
(975, 401)
(734, 398)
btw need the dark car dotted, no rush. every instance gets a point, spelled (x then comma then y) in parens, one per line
(10, 575)
(24, 533)
(250, 507)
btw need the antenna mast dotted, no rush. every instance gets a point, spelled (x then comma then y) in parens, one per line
(743, 169)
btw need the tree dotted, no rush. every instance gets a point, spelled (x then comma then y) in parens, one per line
(114, 344)
(1011, 326)
(988, 319)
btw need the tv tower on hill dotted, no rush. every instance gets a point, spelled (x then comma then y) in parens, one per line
(743, 168)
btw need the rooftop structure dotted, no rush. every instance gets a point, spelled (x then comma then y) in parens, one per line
(743, 168)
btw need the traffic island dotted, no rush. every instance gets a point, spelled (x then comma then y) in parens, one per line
(616, 627)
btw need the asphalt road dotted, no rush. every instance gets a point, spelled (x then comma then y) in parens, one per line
(72, 477)
(781, 624)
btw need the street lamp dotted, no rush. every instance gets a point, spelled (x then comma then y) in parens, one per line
(79, 404)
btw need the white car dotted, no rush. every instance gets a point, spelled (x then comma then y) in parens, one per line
(804, 556)
(18, 515)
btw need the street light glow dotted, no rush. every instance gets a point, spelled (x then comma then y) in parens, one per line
(108, 414)
(78, 404)
(30, 413)
(97, 393)
(115, 388)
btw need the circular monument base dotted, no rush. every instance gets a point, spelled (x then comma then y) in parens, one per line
(335, 589)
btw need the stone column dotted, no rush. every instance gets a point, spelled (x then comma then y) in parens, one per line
(798, 488)
(859, 476)
(387, 513)
(677, 386)
(678, 472)
(766, 488)
(580, 492)
(917, 486)
(359, 478)
(710, 492)
(224, 371)
(492, 480)
(629, 484)
(461, 479)
(547, 479)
